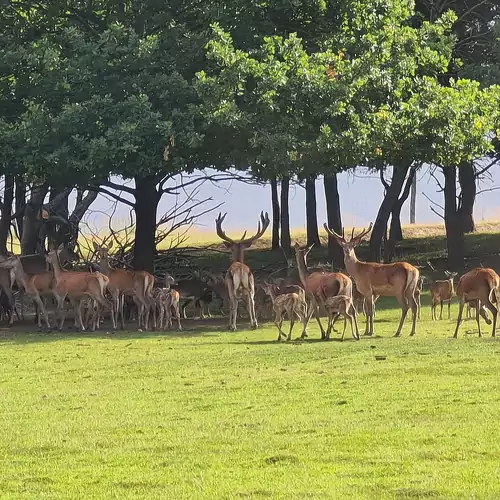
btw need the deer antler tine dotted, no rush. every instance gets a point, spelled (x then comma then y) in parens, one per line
(331, 232)
(218, 227)
(243, 237)
(352, 234)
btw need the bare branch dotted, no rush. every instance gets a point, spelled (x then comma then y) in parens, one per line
(115, 196)
(433, 175)
(119, 187)
(433, 202)
(383, 181)
(487, 190)
(437, 213)
(486, 168)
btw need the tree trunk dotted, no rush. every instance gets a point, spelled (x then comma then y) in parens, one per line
(311, 213)
(58, 226)
(82, 205)
(334, 219)
(384, 212)
(413, 200)
(276, 214)
(32, 239)
(454, 230)
(467, 181)
(146, 206)
(8, 199)
(20, 204)
(285, 215)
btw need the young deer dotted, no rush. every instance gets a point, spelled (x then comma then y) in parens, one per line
(172, 302)
(442, 291)
(239, 278)
(482, 287)
(292, 304)
(318, 286)
(77, 286)
(342, 305)
(398, 279)
(123, 282)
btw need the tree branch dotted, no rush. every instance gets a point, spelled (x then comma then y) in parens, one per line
(433, 202)
(383, 181)
(113, 195)
(119, 187)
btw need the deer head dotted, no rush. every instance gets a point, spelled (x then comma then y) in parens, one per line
(102, 250)
(169, 280)
(450, 275)
(348, 246)
(238, 247)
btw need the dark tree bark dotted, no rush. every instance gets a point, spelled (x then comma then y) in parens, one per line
(146, 206)
(454, 230)
(5, 219)
(311, 213)
(391, 196)
(20, 204)
(276, 214)
(31, 241)
(285, 215)
(395, 230)
(467, 181)
(334, 219)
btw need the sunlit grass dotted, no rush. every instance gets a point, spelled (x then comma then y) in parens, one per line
(212, 414)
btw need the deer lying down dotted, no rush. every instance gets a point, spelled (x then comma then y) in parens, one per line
(341, 305)
(293, 304)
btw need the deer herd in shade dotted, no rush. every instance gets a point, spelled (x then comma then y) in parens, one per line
(334, 293)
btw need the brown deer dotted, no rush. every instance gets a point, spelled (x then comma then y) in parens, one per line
(27, 282)
(318, 286)
(482, 286)
(442, 291)
(342, 305)
(123, 282)
(418, 293)
(77, 286)
(239, 278)
(398, 279)
(172, 303)
(292, 304)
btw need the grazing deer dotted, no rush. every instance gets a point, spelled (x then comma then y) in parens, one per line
(292, 304)
(442, 291)
(342, 305)
(77, 286)
(318, 286)
(398, 279)
(28, 283)
(239, 278)
(481, 286)
(123, 282)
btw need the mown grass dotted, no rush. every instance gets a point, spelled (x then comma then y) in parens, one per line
(213, 414)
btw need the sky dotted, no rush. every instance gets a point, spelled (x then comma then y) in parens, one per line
(360, 196)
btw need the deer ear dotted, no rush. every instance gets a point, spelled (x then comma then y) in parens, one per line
(110, 245)
(227, 244)
(96, 246)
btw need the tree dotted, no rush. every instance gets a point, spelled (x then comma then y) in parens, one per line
(275, 243)
(311, 213)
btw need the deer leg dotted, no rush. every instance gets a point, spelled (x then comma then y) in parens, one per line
(403, 301)
(441, 313)
(318, 319)
(459, 318)
(291, 317)
(251, 310)
(493, 311)
(414, 312)
(233, 312)
(477, 318)
(449, 309)
(278, 321)
(309, 313)
(370, 306)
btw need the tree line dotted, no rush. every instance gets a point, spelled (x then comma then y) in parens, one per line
(286, 91)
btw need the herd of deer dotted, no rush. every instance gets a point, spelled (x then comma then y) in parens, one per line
(335, 293)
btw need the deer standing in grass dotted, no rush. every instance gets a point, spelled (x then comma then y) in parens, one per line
(293, 304)
(239, 278)
(170, 301)
(123, 282)
(77, 286)
(398, 279)
(482, 287)
(318, 287)
(28, 283)
(442, 291)
(342, 305)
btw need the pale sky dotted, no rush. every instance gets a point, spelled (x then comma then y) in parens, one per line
(360, 193)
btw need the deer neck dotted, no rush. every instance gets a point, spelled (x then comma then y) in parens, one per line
(104, 265)
(56, 266)
(302, 267)
(351, 262)
(237, 253)
(452, 288)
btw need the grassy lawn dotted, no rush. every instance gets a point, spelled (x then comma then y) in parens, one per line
(211, 414)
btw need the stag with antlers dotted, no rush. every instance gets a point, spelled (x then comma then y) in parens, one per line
(239, 278)
(318, 287)
(398, 279)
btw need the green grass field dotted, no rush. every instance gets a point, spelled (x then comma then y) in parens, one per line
(213, 414)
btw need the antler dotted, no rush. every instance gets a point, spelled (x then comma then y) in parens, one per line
(264, 219)
(331, 232)
(218, 227)
(362, 234)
